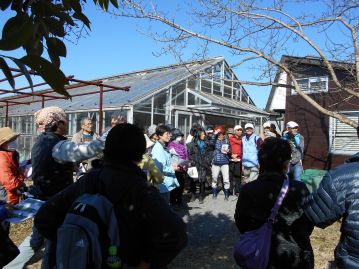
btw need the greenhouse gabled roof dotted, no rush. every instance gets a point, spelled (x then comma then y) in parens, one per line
(142, 84)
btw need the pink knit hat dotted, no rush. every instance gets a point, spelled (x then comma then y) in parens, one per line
(49, 116)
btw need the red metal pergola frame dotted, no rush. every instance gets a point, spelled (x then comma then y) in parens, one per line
(48, 94)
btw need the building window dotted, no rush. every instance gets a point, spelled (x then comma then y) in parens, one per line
(313, 84)
(343, 138)
(178, 94)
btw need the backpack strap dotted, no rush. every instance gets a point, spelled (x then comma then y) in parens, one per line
(279, 200)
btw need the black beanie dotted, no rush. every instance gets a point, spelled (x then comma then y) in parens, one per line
(176, 133)
(125, 143)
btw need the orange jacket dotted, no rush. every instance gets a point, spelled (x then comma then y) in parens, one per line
(10, 176)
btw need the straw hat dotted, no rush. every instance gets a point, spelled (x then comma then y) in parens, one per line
(7, 135)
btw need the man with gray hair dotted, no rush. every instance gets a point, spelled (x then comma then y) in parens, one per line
(85, 135)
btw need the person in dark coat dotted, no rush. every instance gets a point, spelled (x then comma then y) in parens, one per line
(143, 216)
(290, 246)
(198, 151)
(338, 197)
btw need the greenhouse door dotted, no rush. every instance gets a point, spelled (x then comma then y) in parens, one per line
(183, 122)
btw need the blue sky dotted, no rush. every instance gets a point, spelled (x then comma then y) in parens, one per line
(115, 46)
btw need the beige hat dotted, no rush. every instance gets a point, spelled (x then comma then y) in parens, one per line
(7, 135)
(237, 127)
(49, 115)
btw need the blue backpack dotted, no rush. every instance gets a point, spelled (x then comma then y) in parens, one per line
(89, 235)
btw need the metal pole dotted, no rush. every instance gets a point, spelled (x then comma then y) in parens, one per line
(43, 102)
(100, 116)
(7, 114)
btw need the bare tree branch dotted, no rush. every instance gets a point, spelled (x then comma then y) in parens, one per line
(262, 33)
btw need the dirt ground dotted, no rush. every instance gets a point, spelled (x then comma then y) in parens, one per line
(215, 252)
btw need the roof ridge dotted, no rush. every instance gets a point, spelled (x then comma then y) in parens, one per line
(218, 58)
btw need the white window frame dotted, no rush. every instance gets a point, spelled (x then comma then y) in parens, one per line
(349, 134)
(313, 80)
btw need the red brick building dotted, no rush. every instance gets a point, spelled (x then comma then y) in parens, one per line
(328, 142)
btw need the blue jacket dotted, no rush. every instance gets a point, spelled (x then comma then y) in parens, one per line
(297, 144)
(338, 197)
(220, 158)
(162, 159)
(250, 151)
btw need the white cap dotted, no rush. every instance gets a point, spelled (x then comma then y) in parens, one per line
(266, 124)
(292, 124)
(248, 125)
(237, 127)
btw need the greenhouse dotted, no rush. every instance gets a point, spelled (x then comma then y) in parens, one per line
(205, 92)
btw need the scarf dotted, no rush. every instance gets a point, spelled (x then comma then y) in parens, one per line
(201, 146)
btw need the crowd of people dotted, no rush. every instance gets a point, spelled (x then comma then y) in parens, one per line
(144, 175)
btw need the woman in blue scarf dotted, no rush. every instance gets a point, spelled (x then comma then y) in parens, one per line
(198, 152)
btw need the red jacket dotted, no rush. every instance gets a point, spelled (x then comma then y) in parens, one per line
(236, 144)
(10, 176)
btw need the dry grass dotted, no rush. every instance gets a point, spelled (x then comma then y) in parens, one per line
(323, 242)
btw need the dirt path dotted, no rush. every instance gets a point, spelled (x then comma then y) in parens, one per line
(212, 233)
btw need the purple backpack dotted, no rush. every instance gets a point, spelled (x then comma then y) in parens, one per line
(252, 249)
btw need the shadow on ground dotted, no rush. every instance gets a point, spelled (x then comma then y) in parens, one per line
(211, 236)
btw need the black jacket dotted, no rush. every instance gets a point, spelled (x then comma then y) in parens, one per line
(200, 160)
(290, 246)
(142, 215)
(338, 197)
(49, 176)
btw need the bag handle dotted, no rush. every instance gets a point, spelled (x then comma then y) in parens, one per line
(279, 200)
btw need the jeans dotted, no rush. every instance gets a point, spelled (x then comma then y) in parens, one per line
(295, 171)
(27, 248)
(225, 174)
(250, 174)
